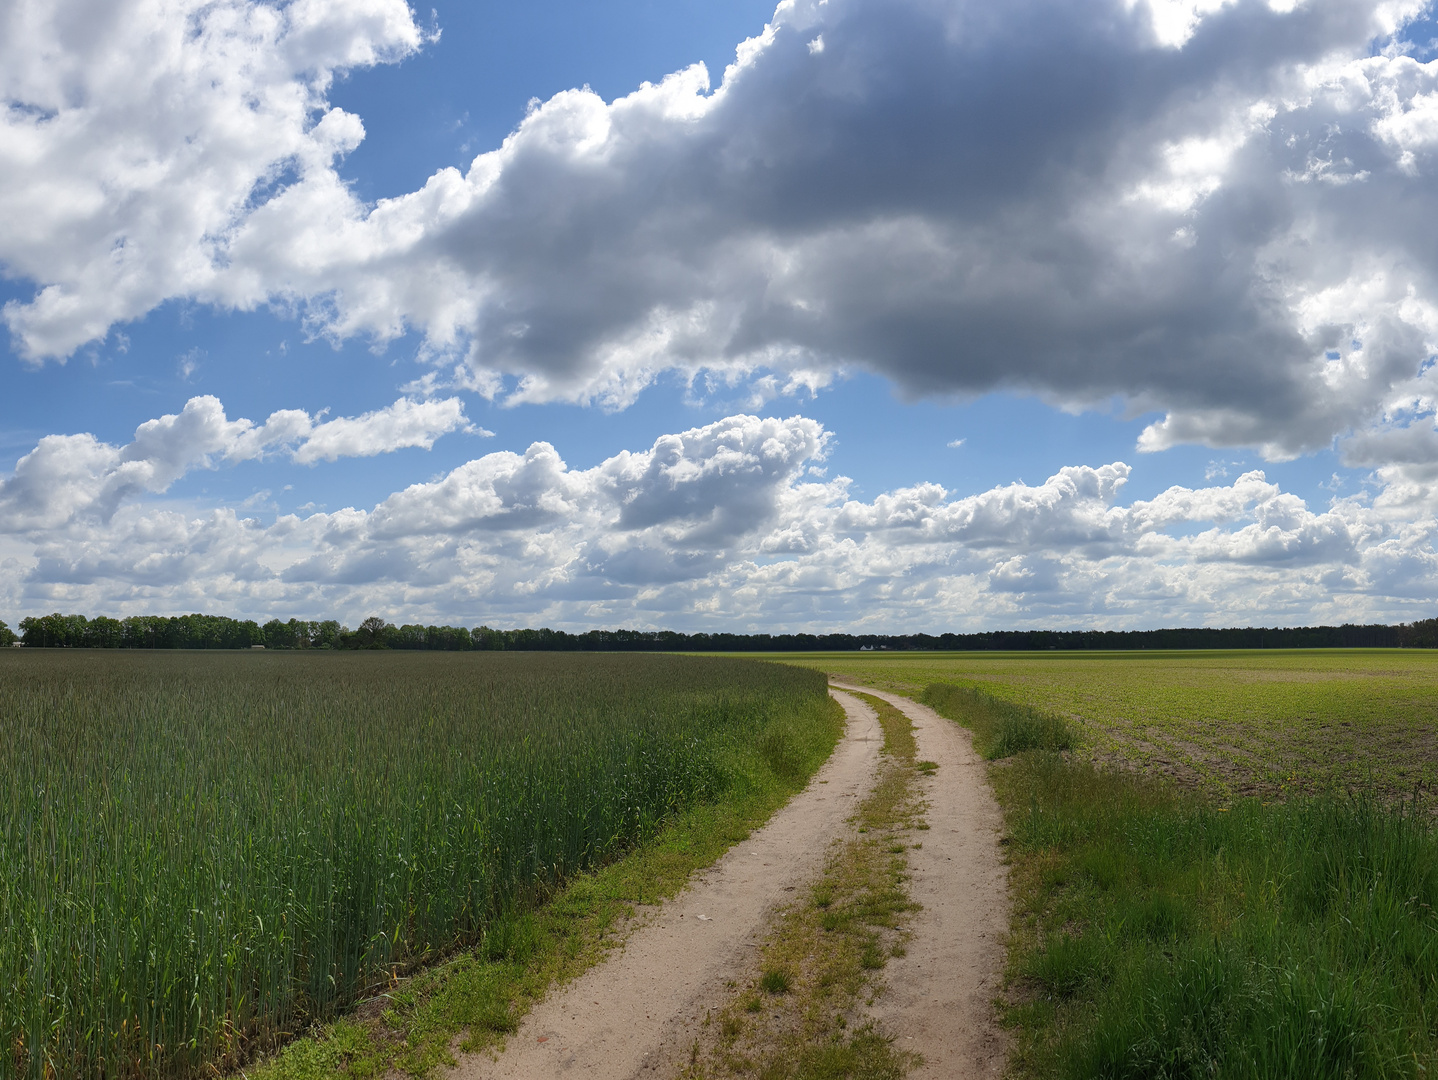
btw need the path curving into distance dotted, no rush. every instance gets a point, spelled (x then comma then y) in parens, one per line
(939, 997)
(637, 1012)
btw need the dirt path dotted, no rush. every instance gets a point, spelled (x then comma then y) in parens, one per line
(939, 996)
(637, 1013)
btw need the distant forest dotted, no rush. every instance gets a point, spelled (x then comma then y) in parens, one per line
(219, 632)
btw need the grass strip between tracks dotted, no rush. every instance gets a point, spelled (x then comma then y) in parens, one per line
(1162, 932)
(472, 1001)
(802, 1013)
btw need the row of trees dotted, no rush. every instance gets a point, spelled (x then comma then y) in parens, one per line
(219, 632)
(1422, 634)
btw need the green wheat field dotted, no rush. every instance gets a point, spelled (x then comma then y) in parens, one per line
(1223, 863)
(202, 853)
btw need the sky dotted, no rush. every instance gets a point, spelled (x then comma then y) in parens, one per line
(883, 316)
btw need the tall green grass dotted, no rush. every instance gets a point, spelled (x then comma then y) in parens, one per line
(201, 853)
(1001, 728)
(1160, 934)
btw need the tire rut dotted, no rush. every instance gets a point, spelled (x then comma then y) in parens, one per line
(939, 998)
(637, 1012)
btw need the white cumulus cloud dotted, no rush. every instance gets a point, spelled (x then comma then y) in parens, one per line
(722, 526)
(1221, 210)
(70, 476)
(136, 135)
(405, 423)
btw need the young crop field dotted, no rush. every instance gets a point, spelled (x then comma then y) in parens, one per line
(201, 853)
(1251, 893)
(1233, 723)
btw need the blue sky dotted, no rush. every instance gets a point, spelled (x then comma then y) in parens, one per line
(926, 315)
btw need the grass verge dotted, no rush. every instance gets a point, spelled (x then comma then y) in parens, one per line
(802, 1014)
(1159, 933)
(474, 999)
(1001, 728)
(1253, 722)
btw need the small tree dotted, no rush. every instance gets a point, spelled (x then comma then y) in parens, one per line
(482, 637)
(103, 632)
(373, 632)
(140, 632)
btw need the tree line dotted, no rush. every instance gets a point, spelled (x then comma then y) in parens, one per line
(220, 632)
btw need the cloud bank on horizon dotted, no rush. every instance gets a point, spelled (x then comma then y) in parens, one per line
(726, 526)
(1220, 211)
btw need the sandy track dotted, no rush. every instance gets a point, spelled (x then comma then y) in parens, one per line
(639, 1011)
(939, 997)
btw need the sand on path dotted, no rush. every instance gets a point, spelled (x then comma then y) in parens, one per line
(939, 997)
(638, 1012)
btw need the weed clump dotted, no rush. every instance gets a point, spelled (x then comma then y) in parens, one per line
(775, 981)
